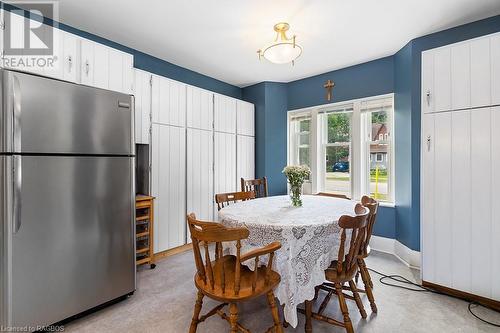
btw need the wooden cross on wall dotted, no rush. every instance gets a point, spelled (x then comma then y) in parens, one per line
(329, 87)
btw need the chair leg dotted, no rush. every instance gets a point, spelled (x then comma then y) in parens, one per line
(308, 327)
(365, 275)
(357, 299)
(196, 314)
(343, 308)
(233, 317)
(274, 311)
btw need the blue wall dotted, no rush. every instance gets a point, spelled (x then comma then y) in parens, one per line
(270, 101)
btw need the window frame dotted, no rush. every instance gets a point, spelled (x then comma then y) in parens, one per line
(359, 154)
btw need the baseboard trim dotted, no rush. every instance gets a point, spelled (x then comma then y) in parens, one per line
(174, 251)
(407, 256)
(487, 302)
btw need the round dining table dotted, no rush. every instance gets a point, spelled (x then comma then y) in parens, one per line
(309, 236)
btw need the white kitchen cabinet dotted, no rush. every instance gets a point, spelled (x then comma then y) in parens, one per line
(142, 94)
(70, 62)
(101, 66)
(224, 114)
(461, 75)
(169, 186)
(224, 162)
(460, 163)
(168, 101)
(495, 69)
(116, 73)
(120, 71)
(87, 62)
(128, 73)
(200, 108)
(200, 178)
(245, 164)
(480, 72)
(442, 79)
(245, 118)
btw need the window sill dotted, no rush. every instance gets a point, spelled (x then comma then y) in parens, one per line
(387, 204)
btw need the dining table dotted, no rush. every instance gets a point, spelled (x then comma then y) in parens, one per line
(309, 236)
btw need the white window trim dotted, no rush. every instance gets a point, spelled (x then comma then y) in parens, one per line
(316, 146)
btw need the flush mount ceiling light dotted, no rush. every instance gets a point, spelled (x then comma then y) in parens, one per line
(283, 50)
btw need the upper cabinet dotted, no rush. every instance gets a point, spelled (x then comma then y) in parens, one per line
(224, 114)
(462, 75)
(200, 108)
(142, 93)
(168, 101)
(245, 118)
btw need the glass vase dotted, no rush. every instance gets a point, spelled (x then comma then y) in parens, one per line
(295, 192)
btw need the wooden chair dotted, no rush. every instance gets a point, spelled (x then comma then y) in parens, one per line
(342, 271)
(372, 205)
(224, 199)
(225, 279)
(258, 186)
(333, 195)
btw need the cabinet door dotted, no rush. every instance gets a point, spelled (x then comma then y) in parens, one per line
(245, 158)
(481, 203)
(428, 221)
(87, 62)
(460, 76)
(70, 61)
(224, 114)
(495, 69)
(169, 101)
(442, 195)
(461, 214)
(142, 93)
(245, 118)
(427, 102)
(101, 66)
(225, 162)
(55, 62)
(128, 75)
(200, 188)
(442, 79)
(495, 218)
(200, 108)
(480, 72)
(169, 186)
(115, 70)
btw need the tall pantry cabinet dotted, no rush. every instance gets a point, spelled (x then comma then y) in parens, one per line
(194, 153)
(461, 166)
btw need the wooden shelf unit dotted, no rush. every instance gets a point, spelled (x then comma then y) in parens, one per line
(144, 207)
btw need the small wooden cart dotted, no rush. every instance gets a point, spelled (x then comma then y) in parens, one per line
(144, 216)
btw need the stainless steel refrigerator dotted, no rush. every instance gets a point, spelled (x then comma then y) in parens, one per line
(67, 198)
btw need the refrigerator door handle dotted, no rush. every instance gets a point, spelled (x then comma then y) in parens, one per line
(16, 93)
(17, 185)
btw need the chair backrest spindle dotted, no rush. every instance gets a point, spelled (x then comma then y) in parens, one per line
(258, 186)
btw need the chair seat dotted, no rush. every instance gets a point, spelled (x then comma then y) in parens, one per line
(247, 278)
(332, 275)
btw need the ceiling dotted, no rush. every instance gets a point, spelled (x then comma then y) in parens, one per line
(219, 38)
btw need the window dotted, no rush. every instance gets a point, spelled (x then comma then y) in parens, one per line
(300, 131)
(348, 145)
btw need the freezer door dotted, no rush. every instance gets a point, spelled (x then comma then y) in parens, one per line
(74, 246)
(5, 237)
(42, 115)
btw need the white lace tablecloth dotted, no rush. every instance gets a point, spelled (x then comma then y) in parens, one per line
(309, 237)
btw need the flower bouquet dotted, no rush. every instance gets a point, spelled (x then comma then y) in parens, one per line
(296, 175)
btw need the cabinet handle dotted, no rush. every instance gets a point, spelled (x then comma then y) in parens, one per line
(87, 67)
(428, 143)
(428, 95)
(70, 63)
